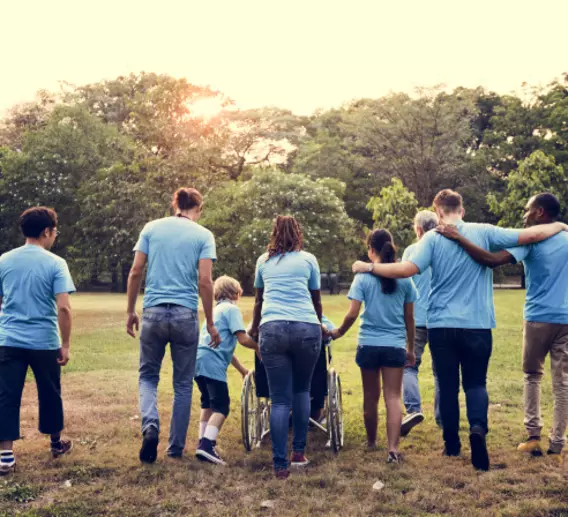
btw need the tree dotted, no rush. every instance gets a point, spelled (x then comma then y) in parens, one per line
(394, 210)
(242, 213)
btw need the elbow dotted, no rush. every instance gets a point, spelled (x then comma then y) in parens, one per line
(136, 272)
(205, 283)
(64, 310)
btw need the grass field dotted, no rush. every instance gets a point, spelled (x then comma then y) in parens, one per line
(103, 474)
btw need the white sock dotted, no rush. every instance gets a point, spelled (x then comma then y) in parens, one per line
(202, 426)
(211, 433)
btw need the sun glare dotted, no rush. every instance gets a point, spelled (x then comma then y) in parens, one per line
(206, 108)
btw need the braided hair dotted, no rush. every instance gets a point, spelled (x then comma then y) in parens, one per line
(381, 242)
(286, 236)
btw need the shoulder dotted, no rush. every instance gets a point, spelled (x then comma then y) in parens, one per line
(262, 259)
(308, 256)
(405, 283)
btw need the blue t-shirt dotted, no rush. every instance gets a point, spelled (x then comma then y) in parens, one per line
(287, 281)
(461, 294)
(30, 279)
(174, 246)
(382, 320)
(422, 282)
(546, 269)
(329, 325)
(213, 362)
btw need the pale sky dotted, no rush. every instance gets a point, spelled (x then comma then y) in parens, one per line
(296, 54)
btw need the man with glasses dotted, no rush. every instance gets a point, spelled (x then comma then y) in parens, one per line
(34, 309)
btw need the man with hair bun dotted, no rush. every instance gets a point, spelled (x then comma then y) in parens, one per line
(461, 314)
(180, 255)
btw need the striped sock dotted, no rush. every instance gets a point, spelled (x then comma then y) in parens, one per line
(7, 459)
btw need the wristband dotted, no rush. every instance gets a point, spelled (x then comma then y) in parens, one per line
(370, 270)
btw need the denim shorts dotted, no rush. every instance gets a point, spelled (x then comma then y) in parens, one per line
(374, 357)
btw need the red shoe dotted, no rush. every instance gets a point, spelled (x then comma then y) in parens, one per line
(282, 474)
(299, 460)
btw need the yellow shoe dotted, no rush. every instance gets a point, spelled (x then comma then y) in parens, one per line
(531, 446)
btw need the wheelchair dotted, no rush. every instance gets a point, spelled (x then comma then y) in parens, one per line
(255, 404)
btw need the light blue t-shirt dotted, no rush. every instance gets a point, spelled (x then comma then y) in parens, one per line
(329, 325)
(546, 269)
(461, 294)
(30, 279)
(382, 320)
(422, 282)
(213, 362)
(287, 281)
(174, 246)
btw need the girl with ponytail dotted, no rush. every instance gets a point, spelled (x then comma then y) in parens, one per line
(385, 340)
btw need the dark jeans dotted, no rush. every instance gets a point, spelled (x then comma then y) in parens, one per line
(179, 327)
(289, 352)
(14, 363)
(469, 349)
(214, 395)
(318, 388)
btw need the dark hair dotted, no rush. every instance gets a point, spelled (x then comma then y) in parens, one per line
(549, 203)
(382, 243)
(448, 201)
(35, 220)
(286, 236)
(186, 199)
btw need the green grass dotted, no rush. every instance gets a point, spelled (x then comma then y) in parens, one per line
(100, 393)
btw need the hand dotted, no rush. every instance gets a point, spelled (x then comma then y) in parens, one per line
(335, 334)
(215, 337)
(325, 334)
(133, 322)
(449, 231)
(244, 372)
(361, 267)
(410, 358)
(253, 333)
(63, 358)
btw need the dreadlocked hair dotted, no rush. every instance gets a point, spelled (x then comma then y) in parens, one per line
(382, 244)
(286, 236)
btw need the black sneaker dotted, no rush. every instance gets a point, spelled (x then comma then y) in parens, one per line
(451, 450)
(61, 447)
(149, 449)
(394, 457)
(207, 451)
(409, 421)
(479, 456)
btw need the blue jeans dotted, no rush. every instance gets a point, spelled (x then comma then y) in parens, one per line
(410, 386)
(469, 349)
(290, 350)
(179, 327)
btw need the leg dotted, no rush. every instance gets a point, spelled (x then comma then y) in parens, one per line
(184, 338)
(318, 388)
(371, 392)
(206, 412)
(437, 412)
(410, 386)
(559, 366)
(446, 361)
(278, 365)
(305, 349)
(392, 386)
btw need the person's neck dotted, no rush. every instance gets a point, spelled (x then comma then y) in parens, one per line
(35, 242)
(451, 218)
(187, 214)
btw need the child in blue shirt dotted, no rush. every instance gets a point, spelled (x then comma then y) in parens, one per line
(212, 364)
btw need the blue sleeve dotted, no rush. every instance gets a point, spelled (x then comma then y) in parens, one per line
(357, 291)
(501, 238)
(422, 252)
(208, 250)
(328, 323)
(235, 320)
(406, 254)
(411, 292)
(258, 281)
(62, 281)
(314, 282)
(519, 253)
(143, 243)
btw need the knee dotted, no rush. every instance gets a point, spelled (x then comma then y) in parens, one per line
(532, 376)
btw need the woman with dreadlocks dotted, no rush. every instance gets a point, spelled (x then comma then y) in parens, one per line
(288, 313)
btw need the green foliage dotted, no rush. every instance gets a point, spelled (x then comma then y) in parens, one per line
(394, 210)
(535, 174)
(241, 216)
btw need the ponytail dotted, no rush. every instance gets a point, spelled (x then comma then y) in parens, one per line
(382, 244)
(186, 199)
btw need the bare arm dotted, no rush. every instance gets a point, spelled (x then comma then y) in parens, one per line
(257, 313)
(132, 291)
(404, 269)
(206, 294)
(239, 366)
(316, 300)
(64, 319)
(410, 326)
(350, 318)
(245, 340)
(540, 232)
(480, 255)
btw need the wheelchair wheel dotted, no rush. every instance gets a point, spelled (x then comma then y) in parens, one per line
(335, 411)
(250, 415)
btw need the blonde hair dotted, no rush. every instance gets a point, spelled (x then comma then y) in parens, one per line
(227, 288)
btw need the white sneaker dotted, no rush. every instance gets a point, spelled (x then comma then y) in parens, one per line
(409, 421)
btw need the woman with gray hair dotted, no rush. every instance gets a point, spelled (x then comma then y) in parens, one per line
(424, 221)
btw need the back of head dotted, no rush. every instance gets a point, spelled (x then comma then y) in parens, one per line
(186, 199)
(286, 236)
(448, 201)
(381, 242)
(226, 288)
(426, 220)
(549, 204)
(35, 220)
